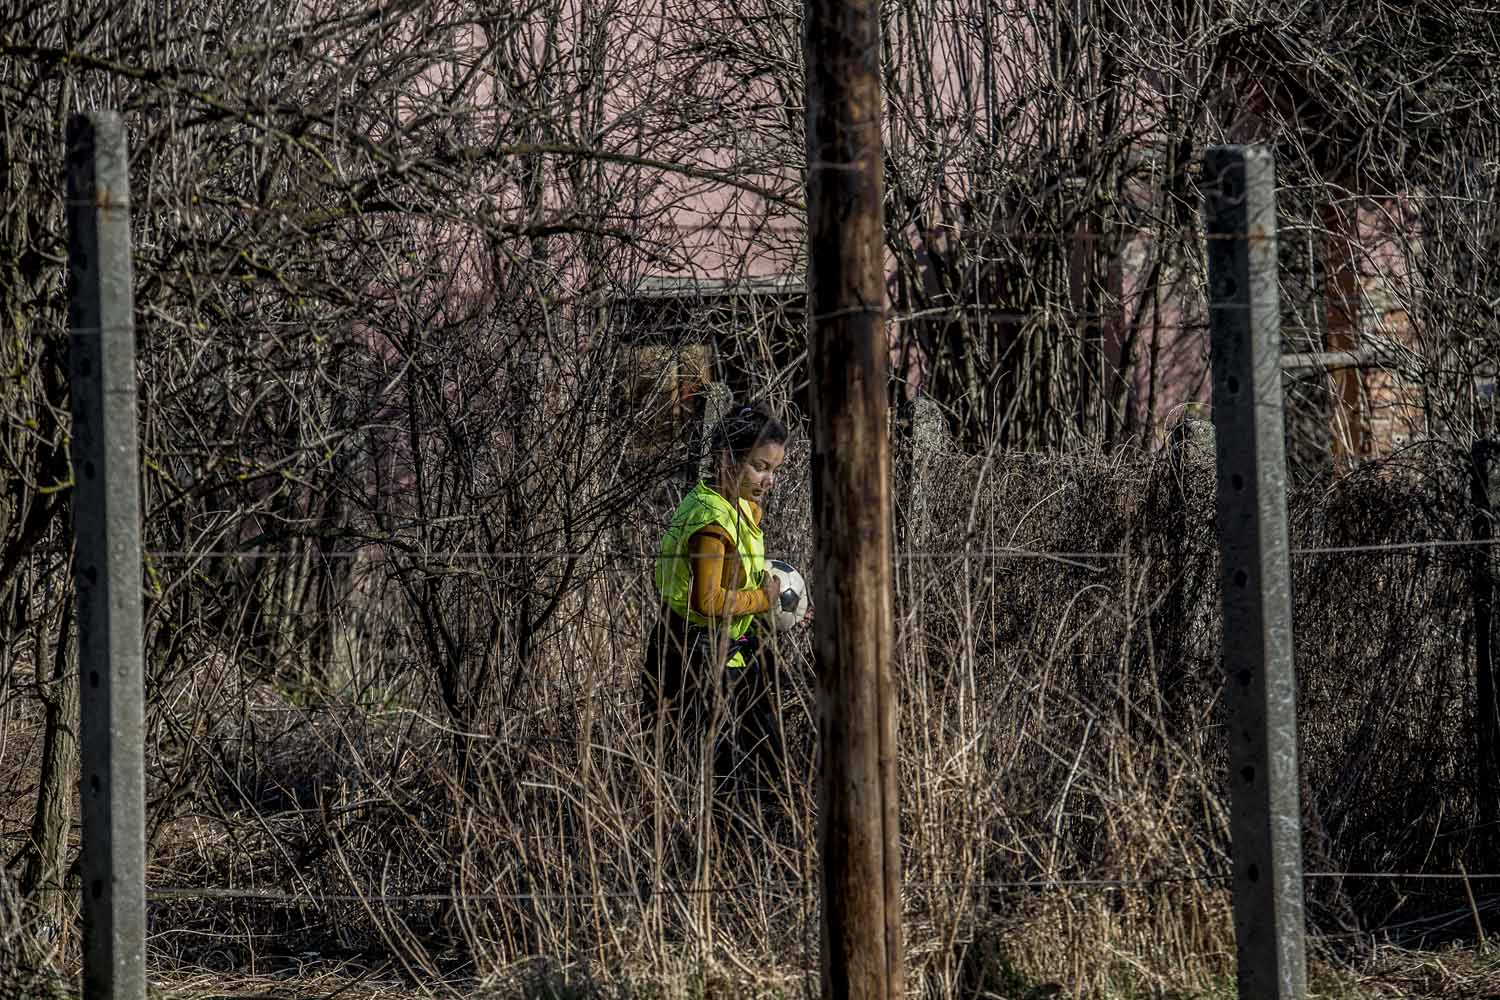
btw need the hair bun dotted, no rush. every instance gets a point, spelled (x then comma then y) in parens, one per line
(745, 427)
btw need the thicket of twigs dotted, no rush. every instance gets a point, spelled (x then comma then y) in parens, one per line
(401, 463)
(1063, 789)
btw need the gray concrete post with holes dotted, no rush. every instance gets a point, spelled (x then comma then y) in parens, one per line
(106, 525)
(1260, 680)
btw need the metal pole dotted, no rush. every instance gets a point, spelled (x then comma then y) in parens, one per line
(848, 359)
(1261, 684)
(106, 525)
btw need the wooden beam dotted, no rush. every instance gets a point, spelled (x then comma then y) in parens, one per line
(851, 482)
(1329, 360)
(1342, 301)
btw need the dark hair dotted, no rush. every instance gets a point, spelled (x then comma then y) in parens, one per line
(745, 428)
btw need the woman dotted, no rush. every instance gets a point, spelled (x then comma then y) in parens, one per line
(706, 671)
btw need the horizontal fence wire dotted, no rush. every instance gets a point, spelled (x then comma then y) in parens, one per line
(758, 225)
(472, 556)
(934, 554)
(389, 551)
(790, 887)
(1061, 316)
(282, 896)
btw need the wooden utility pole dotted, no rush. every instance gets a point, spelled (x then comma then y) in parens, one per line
(1342, 303)
(851, 465)
(106, 525)
(1244, 316)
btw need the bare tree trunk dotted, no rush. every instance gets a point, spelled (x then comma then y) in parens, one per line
(45, 871)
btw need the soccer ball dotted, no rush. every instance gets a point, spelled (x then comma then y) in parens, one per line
(794, 597)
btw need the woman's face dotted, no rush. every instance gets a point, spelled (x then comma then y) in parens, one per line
(753, 478)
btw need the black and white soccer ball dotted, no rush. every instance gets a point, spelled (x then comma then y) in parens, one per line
(795, 600)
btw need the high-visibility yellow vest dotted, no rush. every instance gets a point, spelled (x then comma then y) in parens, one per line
(674, 576)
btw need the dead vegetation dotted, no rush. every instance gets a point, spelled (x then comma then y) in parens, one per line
(1063, 802)
(398, 505)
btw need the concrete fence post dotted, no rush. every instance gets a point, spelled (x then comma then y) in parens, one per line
(106, 525)
(1260, 680)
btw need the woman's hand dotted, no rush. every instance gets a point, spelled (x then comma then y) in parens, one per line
(772, 587)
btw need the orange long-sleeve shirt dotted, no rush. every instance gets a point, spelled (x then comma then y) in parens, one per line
(717, 576)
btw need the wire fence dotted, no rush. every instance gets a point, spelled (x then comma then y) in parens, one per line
(1121, 653)
(808, 889)
(1066, 559)
(1452, 901)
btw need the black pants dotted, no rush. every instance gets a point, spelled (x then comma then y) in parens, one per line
(691, 696)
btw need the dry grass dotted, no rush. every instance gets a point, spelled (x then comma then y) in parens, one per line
(1063, 814)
